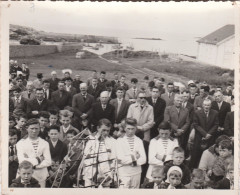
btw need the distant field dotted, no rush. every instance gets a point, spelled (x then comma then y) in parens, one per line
(131, 67)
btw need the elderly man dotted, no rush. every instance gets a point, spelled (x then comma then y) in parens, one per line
(205, 123)
(29, 93)
(169, 95)
(103, 109)
(82, 102)
(61, 98)
(76, 82)
(222, 108)
(178, 117)
(54, 81)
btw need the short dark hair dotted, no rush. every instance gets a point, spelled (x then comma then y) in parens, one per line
(164, 125)
(25, 165)
(18, 117)
(185, 91)
(162, 79)
(151, 84)
(19, 78)
(12, 118)
(226, 144)
(102, 72)
(178, 150)
(131, 121)
(205, 88)
(120, 89)
(12, 132)
(170, 83)
(32, 121)
(43, 114)
(134, 80)
(71, 131)
(53, 112)
(55, 127)
(198, 173)
(39, 89)
(68, 79)
(193, 85)
(154, 87)
(220, 138)
(146, 78)
(61, 81)
(123, 76)
(105, 122)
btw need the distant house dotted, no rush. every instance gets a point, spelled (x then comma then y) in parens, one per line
(217, 48)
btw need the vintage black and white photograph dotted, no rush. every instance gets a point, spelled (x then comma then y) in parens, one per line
(120, 95)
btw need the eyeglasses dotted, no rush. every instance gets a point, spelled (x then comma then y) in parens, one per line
(142, 97)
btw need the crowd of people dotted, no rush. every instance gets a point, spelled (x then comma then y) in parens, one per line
(66, 133)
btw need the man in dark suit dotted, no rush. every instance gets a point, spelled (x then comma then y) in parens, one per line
(205, 123)
(19, 102)
(82, 103)
(103, 109)
(115, 81)
(229, 124)
(121, 106)
(61, 98)
(186, 104)
(47, 90)
(159, 106)
(54, 81)
(222, 108)
(38, 104)
(76, 82)
(95, 89)
(169, 95)
(68, 86)
(122, 83)
(193, 92)
(228, 90)
(178, 117)
(102, 80)
(111, 91)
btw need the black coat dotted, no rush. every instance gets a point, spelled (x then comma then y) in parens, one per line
(59, 151)
(16, 183)
(225, 108)
(229, 124)
(61, 102)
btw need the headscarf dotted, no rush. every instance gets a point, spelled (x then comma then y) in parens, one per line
(171, 169)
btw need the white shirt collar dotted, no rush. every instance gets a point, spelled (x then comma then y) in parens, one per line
(65, 129)
(18, 98)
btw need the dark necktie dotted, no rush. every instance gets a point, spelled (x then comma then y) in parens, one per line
(11, 151)
(84, 97)
(29, 94)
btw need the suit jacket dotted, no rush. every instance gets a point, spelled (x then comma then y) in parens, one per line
(22, 106)
(102, 84)
(59, 151)
(24, 146)
(169, 101)
(61, 102)
(33, 105)
(204, 125)
(54, 84)
(122, 111)
(125, 86)
(225, 108)
(158, 109)
(229, 124)
(63, 134)
(80, 106)
(76, 84)
(130, 94)
(199, 101)
(94, 92)
(25, 95)
(114, 82)
(72, 91)
(177, 120)
(99, 113)
(49, 95)
(190, 108)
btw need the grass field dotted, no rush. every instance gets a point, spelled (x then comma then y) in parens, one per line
(131, 67)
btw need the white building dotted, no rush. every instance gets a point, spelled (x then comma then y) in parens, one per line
(217, 48)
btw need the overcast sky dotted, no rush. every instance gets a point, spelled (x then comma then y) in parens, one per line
(123, 19)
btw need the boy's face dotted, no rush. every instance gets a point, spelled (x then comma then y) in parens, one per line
(175, 180)
(157, 177)
(104, 130)
(33, 131)
(130, 130)
(26, 174)
(11, 124)
(21, 122)
(164, 134)
(178, 158)
(65, 121)
(197, 182)
(53, 134)
(53, 119)
(224, 153)
(13, 140)
(16, 94)
(55, 165)
(69, 137)
(85, 122)
(43, 122)
(231, 174)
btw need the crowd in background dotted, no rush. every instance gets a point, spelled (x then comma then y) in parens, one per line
(119, 133)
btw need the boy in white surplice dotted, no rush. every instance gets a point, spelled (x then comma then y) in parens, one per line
(100, 154)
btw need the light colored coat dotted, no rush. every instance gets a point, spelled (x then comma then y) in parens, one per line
(144, 117)
(124, 156)
(92, 147)
(169, 101)
(24, 146)
(156, 147)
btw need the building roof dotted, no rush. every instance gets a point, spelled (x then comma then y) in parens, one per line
(218, 35)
